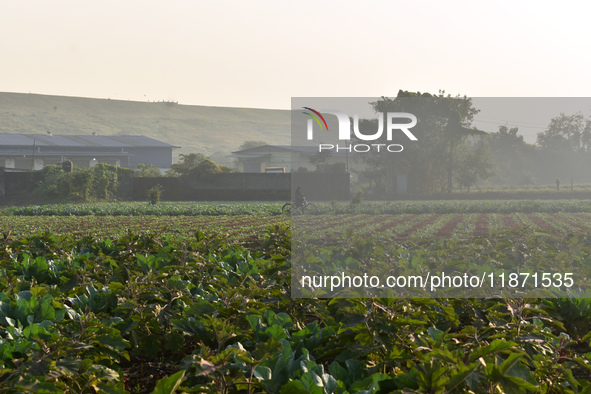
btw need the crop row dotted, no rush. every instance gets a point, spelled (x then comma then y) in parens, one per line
(234, 227)
(143, 209)
(424, 226)
(274, 208)
(325, 227)
(461, 206)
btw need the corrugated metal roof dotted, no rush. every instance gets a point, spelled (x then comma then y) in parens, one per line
(247, 155)
(28, 153)
(81, 140)
(100, 140)
(265, 149)
(15, 139)
(139, 141)
(51, 140)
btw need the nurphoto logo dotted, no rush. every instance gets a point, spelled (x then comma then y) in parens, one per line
(392, 120)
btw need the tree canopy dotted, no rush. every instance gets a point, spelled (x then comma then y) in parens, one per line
(196, 165)
(567, 132)
(251, 144)
(443, 123)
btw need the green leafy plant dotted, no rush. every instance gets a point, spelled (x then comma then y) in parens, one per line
(154, 194)
(157, 311)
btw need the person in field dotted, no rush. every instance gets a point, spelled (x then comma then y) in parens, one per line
(300, 200)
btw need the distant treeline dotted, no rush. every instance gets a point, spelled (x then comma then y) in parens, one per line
(452, 155)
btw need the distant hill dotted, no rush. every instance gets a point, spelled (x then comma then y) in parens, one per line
(214, 131)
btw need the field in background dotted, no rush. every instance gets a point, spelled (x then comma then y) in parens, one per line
(320, 227)
(234, 228)
(239, 220)
(216, 208)
(447, 226)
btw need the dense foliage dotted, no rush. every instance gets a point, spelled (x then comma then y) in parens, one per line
(203, 303)
(99, 182)
(201, 314)
(196, 166)
(142, 209)
(235, 228)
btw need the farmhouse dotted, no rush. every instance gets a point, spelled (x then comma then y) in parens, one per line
(34, 151)
(292, 158)
(298, 159)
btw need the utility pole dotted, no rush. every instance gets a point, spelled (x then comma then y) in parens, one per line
(33, 163)
(450, 166)
(346, 156)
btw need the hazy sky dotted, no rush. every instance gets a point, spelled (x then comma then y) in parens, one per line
(261, 53)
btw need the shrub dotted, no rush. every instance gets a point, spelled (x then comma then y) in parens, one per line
(82, 183)
(154, 194)
(105, 180)
(147, 170)
(206, 170)
(357, 198)
(101, 181)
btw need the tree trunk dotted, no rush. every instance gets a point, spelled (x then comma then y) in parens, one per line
(449, 169)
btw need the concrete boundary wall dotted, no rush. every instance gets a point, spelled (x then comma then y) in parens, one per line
(247, 187)
(220, 187)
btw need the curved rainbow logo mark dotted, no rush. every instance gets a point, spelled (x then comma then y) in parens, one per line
(316, 118)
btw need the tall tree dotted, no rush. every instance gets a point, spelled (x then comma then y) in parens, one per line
(474, 164)
(443, 123)
(456, 132)
(514, 158)
(564, 148)
(566, 132)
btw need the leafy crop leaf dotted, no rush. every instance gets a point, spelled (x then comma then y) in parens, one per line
(170, 384)
(495, 346)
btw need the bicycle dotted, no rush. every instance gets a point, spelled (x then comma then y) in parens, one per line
(305, 209)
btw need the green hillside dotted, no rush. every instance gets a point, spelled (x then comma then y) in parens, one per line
(214, 131)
